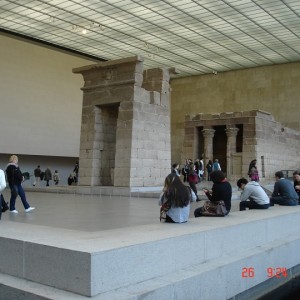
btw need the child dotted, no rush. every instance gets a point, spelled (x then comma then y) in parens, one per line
(56, 177)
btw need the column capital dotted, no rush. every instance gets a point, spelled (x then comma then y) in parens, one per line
(208, 132)
(232, 131)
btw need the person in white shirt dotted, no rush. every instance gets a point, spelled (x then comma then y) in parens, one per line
(2, 187)
(252, 191)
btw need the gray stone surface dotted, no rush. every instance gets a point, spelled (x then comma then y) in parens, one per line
(140, 258)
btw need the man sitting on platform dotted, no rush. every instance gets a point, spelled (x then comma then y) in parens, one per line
(258, 199)
(284, 192)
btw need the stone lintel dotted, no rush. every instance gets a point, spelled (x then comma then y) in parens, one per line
(108, 63)
(105, 84)
(115, 72)
(231, 115)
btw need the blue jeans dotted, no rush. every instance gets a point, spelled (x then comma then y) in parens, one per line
(283, 201)
(15, 191)
(252, 205)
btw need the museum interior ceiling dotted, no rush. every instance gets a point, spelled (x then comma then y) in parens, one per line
(194, 36)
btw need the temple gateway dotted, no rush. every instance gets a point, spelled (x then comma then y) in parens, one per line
(236, 138)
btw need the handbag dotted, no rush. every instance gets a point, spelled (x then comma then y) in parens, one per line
(214, 209)
(193, 178)
(163, 211)
(165, 206)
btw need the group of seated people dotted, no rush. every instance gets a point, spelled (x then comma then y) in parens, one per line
(178, 196)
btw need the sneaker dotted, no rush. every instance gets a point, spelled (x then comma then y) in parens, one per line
(13, 211)
(29, 209)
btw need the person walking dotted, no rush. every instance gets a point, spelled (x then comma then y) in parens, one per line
(253, 172)
(193, 179)
(56, 177)
(47, 176)
(209, 169)
(175, 169)
(37, 176)
(185, 170)
(76, 172)
(216, 166)
(2, 187)
(4, 205)
(15, 179)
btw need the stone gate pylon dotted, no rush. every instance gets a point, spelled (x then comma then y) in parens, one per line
(125, 126)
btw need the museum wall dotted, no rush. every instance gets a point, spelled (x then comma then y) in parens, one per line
(40, 98)
(274, 89)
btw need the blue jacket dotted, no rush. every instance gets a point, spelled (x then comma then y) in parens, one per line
(284, 188)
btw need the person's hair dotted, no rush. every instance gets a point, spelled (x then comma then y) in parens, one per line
(296, 173)
(217, 176)
(252, 164)
(177, 193)
(38, 166)
(279, 174)
(13, 159)
(241, 181)
(174, 165)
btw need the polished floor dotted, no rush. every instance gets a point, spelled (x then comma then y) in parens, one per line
(88, 212)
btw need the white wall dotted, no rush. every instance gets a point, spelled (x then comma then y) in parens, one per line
(28, 163)
(40, 99)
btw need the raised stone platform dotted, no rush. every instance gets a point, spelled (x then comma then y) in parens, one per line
(202, 259)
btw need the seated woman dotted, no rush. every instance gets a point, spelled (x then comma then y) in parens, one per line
(296, 176)
(177, 196)
(221, 190)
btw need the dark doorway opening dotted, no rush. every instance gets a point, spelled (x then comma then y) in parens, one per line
(239, 138)
(220, 146)
(106, 137)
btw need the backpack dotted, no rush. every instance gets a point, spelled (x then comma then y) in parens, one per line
(216, 166)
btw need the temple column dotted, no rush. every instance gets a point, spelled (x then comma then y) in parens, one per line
(231, 133)
(208, 134)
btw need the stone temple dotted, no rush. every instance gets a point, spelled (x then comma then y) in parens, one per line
(125, 130)
(84, 243)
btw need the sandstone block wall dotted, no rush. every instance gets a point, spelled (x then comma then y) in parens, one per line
(125, 132)
(274, 89)
(279, 146)
(274, 146)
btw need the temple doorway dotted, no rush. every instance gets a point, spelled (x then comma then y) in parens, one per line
(108, 117)
(220, 146)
